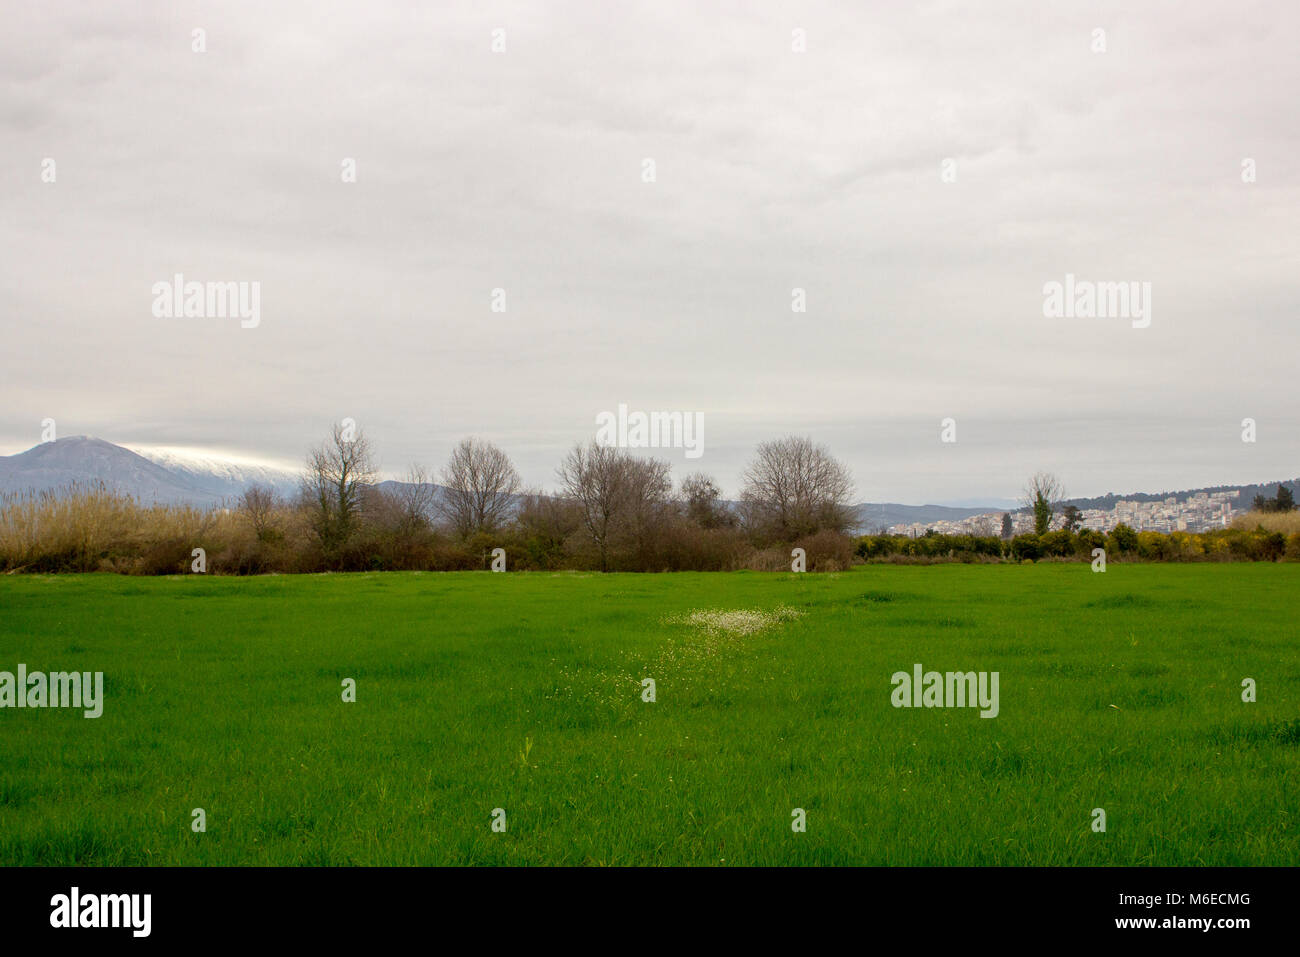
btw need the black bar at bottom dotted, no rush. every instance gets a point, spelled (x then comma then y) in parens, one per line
(334, 906)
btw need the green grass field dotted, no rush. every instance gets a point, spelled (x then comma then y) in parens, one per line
(1119, 690)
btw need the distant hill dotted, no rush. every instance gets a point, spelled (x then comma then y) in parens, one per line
(873, 517)
(1246, 495)
(396, 488)
(165, 478)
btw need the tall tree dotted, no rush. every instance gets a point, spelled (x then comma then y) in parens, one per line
(595, 477)
(1040, 497)
(1073, 517)
(1285, 501)
(648, 492)
(337, 471)
(481, 483)
(793, 487)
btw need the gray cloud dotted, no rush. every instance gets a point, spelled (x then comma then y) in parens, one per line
(775, 170)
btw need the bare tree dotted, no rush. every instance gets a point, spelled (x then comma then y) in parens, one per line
(1041, 497)
(596, 478)
(337, 472)
(416, 498)
(648, 504)
(259, 503)
(480, 484)
(795, 488)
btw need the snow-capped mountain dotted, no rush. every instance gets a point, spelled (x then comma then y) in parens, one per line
(159, 475)
(213, 471)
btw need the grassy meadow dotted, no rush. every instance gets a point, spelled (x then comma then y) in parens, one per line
(522, 691)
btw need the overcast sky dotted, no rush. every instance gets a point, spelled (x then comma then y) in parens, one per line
(774, 169)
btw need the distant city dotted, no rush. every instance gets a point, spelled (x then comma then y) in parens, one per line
(1198, 512)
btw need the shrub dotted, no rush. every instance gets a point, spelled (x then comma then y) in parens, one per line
(1058, 544)
(768, 560)
(687, 546)
(1086, 540)
(1027, 548)
(1123, 540)
(1293, 547)
(827, 551)
(1151, 545)
(1270, 546)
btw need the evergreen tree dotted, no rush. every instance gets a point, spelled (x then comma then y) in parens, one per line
(1285, 501)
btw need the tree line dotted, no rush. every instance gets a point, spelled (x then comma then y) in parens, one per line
(611, 510)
